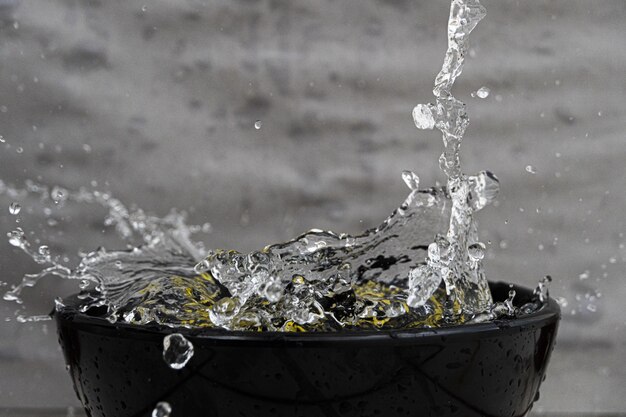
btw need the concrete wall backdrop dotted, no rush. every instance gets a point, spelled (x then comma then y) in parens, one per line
(157, 104)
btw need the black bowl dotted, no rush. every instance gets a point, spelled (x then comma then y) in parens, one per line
(487, 369)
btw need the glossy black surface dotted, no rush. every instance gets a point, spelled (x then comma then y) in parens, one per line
(490, 369)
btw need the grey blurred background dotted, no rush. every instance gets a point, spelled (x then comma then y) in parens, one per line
(156, 102)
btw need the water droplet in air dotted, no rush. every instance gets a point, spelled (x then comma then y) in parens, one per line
(16, 237)
(15, 208)
(177, 350)
(58, 194)
(561, 301)
(543, 289)
(476, 251)
(43, 250)
(531, 169)
(162, 409)
(411, 180)
(258, 124)
(483, 92)
(423, 116)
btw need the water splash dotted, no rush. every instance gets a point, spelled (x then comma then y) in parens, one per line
(422, 267)
(159, 245)
(318, 281)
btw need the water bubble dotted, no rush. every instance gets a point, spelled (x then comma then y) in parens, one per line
(144, 8)
(2, 139)
(14, 208)
(258, 124)
(177, 350)
(423, 116)
(19, 149)
(162, 409)
(531, 169)
(483, 92)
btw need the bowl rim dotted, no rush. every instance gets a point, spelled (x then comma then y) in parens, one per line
(548, 314)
